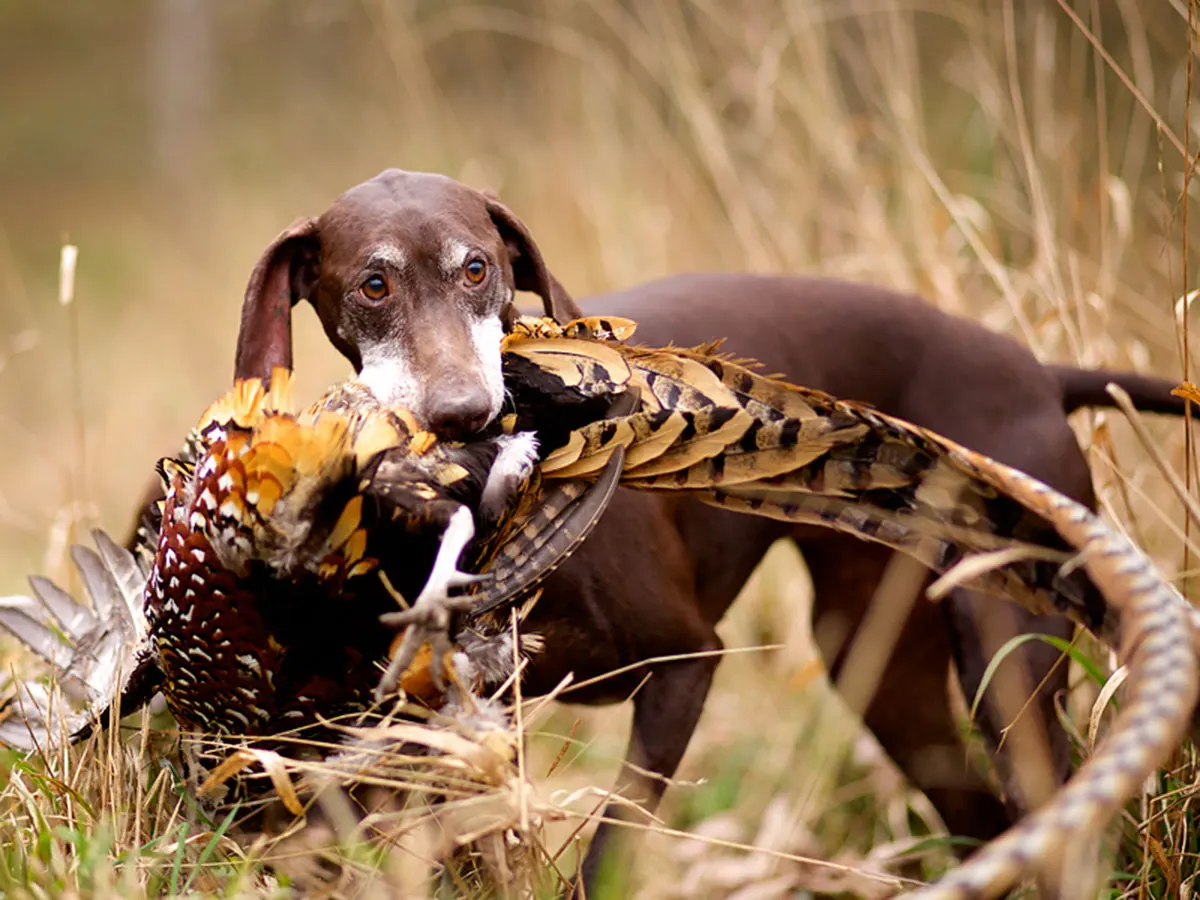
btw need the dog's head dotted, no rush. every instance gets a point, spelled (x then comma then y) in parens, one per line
(412, 276)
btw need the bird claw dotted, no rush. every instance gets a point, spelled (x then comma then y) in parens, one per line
(430, 607)
(428, 620)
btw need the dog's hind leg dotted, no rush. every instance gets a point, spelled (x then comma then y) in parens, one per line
(909, 710)
(1017, 713)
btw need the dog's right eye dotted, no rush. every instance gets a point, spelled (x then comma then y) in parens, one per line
(374, 288)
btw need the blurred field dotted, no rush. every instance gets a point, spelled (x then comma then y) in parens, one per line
(1020, 163)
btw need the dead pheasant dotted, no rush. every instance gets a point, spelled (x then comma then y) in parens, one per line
(282, 540)
(304, 532)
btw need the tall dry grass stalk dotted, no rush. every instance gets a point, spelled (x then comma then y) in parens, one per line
(1019, 163)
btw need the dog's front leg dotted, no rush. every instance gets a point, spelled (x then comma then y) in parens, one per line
(665, 713)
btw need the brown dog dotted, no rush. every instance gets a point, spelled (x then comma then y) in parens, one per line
(417, 303)
(413, 275)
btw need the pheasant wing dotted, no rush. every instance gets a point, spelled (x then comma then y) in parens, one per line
(93, 651)
(551, 524)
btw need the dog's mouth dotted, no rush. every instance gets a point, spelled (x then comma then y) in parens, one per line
(452, 380)
(451, 408)
(390, 379)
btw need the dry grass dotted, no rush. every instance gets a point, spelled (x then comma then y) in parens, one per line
(985, 154)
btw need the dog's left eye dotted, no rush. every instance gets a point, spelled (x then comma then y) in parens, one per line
(475, 270)
(374, 288)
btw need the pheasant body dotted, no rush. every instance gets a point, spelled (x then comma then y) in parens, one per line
(262, 602)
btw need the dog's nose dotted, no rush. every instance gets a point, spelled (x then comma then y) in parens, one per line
(459, 416)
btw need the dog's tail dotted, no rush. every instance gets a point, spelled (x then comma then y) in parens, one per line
(1085, 387)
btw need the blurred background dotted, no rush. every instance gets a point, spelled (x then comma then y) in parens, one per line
(1018, 162)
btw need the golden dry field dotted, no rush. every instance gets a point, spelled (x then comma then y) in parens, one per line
(1019, 163)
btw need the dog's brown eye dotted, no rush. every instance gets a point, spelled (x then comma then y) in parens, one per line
(475, 270)
(374, 288)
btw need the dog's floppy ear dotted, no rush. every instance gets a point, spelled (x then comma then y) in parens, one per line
(283, 277)
(529, 269)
